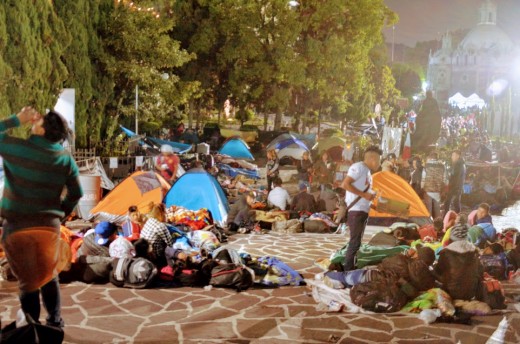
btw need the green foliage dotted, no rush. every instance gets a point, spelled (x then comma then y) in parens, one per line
(141, 52)
(319, 59)
(82, 19)
(33, 40)
(244, 115)
(5, 69)
(406, 80)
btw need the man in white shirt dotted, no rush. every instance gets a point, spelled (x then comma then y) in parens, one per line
(278, 197)
(358, 198)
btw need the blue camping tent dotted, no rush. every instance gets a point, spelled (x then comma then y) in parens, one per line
(236, 148)
(177, 146)
(288, 145)
(198, 189)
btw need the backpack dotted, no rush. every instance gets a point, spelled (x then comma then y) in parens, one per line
(227, 255)
(136, 273)
(492, 293)
(231, 276)
(495, 265)
(33, 332)
(382, 295)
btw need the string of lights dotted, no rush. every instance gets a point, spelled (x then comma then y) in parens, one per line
(132, 6)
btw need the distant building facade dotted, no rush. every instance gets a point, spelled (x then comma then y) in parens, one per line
(486, 54)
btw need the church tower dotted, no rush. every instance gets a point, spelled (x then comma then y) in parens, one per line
(488, 13)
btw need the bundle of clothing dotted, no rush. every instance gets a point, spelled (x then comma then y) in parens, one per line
(194, 219)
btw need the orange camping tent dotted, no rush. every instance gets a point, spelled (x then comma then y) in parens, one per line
(139, 189)
(390, 185)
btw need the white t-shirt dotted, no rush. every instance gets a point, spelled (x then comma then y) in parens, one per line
(362, 178)
(279, 197)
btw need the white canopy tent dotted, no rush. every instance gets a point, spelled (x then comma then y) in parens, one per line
(462, 102)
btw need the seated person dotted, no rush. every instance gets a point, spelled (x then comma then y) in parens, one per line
(96, 241)
(482, 233)
(278, 196)
(133, 224)
(481, 215)
(142, 248)
(157, 234)
(303, 201)
(459, 269)
(433, 231)
(93, 258)
(459, 231)
(449, 220)
(328, 199)
(240, 212)
(412, 267)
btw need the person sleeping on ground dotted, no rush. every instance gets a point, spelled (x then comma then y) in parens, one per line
(412, 267)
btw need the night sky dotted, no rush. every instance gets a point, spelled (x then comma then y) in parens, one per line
(423, 20)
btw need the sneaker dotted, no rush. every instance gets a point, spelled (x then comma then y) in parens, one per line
(332, 283)
(243, 230)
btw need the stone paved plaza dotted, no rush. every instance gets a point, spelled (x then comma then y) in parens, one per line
(106, 314)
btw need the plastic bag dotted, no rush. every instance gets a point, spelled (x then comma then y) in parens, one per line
(429, 315)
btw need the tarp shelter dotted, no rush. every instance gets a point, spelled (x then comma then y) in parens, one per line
(236, 148)
(139, 189)
(198, 189)
(391, 186)
(288, 145)
(234, 171)
(177, 146)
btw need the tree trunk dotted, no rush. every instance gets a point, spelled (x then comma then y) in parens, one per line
(190, 114)
(266, 117)
(277, 121)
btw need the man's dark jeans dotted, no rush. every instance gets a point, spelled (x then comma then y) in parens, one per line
(356, 221)
(452, 201)
(51, 300)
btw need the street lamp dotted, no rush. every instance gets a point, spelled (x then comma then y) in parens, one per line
(164, 76)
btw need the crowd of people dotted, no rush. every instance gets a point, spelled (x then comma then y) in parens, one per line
(448, 252)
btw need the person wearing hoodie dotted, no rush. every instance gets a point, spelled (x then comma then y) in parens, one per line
(458, 267)
(241, 212)
(456, 182)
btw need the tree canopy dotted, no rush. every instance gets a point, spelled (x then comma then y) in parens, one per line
(191, 56)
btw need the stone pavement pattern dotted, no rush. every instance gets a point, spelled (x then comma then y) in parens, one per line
(106, 314)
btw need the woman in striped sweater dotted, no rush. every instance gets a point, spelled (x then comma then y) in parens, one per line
(37, 170)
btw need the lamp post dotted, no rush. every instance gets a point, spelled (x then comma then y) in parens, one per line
(164, 76)
(137, 109)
